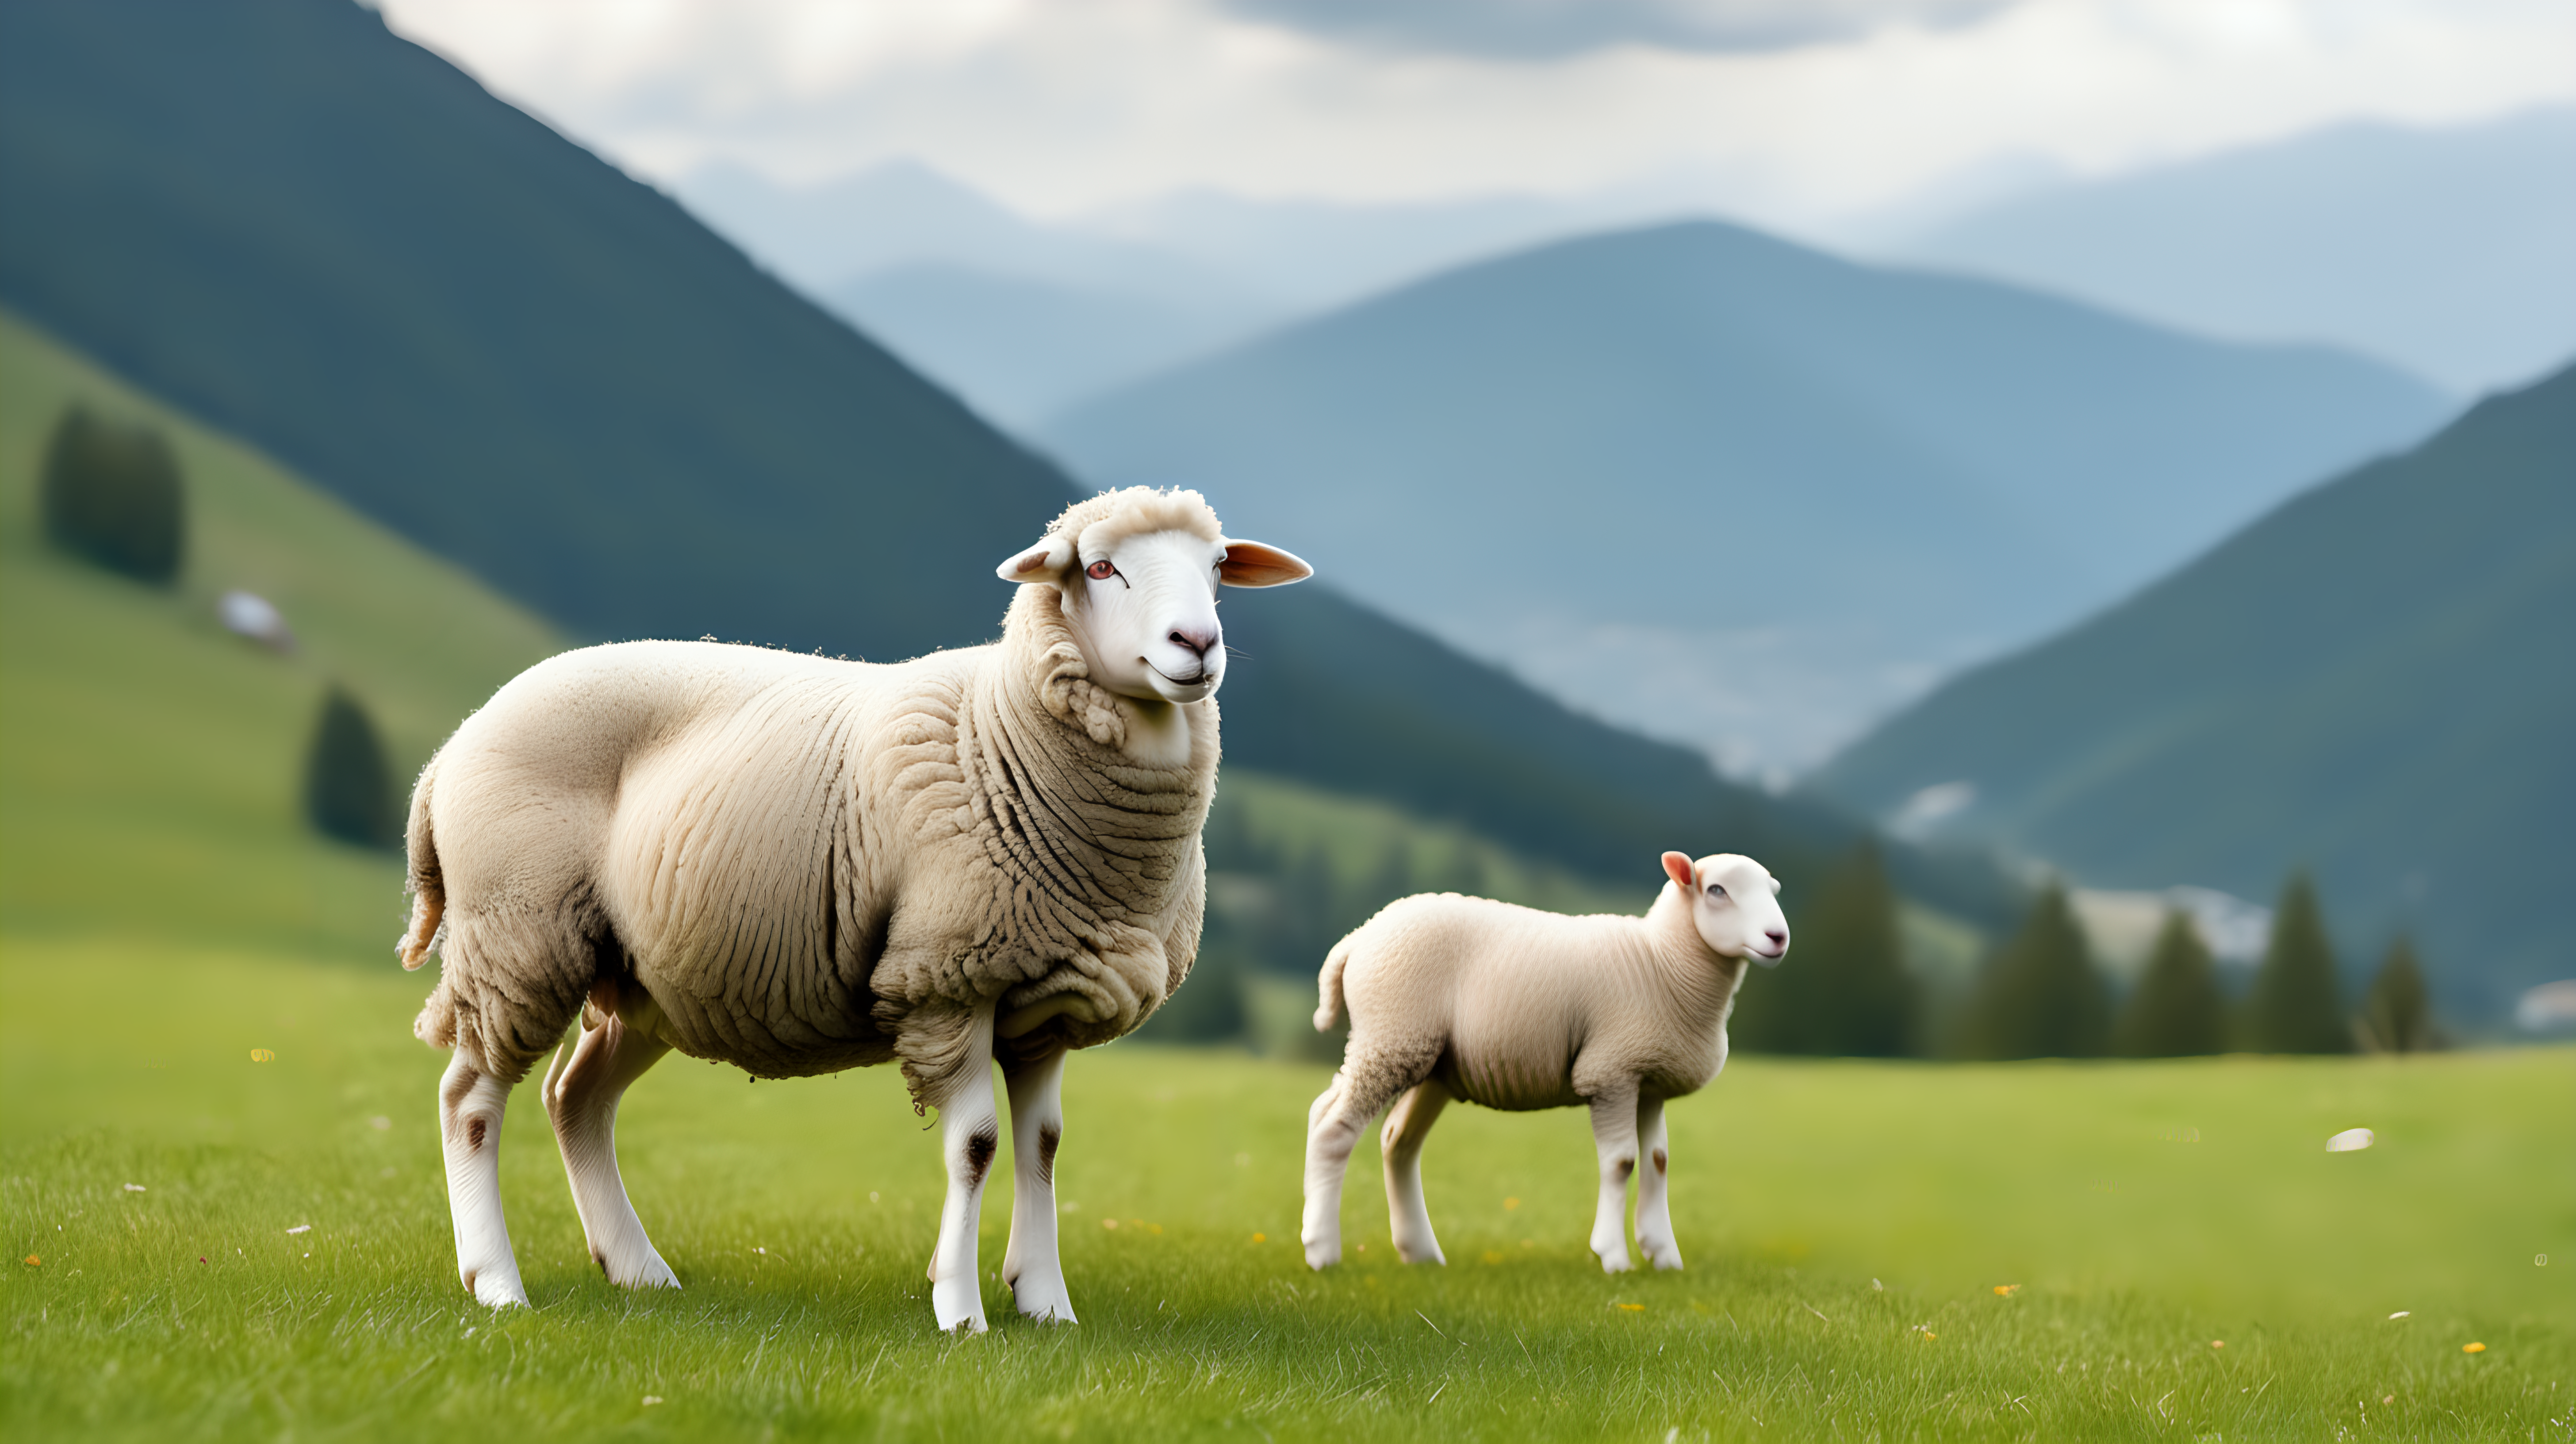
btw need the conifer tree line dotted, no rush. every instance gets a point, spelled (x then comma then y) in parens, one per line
(111, 493)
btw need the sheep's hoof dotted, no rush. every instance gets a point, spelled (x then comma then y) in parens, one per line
(1321, 1254)
(958, 1304)
(1615, 1263)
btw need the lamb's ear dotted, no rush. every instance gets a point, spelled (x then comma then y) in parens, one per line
(1044, 562)
(1253, 564)
(1677, 866)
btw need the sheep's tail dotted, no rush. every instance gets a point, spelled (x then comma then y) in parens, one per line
(1328, 987)
(427, 883)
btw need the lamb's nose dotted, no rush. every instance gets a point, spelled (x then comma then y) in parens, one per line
(1779, 937)
(1192, 640)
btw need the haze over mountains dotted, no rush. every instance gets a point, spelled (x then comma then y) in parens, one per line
(279, 216)
(2375, 681)
(2445, 251)
(1735, 491)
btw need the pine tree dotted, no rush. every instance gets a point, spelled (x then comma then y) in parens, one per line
(2040, 997)
(2397, 1017)
(348, 789)
(112, 493)
(2296, 1006)
(1843, 990)
(2176, 1011)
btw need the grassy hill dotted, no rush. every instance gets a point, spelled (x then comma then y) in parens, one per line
(151, 762)
(2374, 681)
(1811, 479)
(333, 244)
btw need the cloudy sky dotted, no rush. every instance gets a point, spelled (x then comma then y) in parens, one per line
(1788, 110)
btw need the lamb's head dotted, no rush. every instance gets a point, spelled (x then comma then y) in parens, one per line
(1735, 903)
(1138, 571)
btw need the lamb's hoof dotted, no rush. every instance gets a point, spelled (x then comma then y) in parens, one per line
(1670, 1258)
(1322, 1254)
(648, 1272)
(496, 1288)
(1615, 1263)
(1430, 1254)
(958, 1305)
(1044, 1302)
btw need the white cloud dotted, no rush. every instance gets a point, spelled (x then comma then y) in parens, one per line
(1066, 105)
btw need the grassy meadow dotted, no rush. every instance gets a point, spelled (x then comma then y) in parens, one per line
(221, 1189)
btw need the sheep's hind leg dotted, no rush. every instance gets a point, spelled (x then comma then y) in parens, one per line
(970, 1133)
(582, 1088)
(1654, 1203)
(1408, 1123)
(1030, 1265)
(470, 1105)
(1614, 1138)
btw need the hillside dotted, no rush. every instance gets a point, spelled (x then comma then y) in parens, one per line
(2374, 681)
(326, 240)
(150, 762)
(1804, 484)
(2442, 250)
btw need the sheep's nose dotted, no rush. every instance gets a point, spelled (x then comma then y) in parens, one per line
(1779, 937)
(1193, 640)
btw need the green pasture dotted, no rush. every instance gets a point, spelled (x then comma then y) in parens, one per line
(1846, 1225)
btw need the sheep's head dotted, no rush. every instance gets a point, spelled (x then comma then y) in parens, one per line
(1138, 571)
(1735, 903)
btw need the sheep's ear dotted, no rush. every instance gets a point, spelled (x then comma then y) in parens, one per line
(1252, 564)
(1677, 866)
(1044, 562)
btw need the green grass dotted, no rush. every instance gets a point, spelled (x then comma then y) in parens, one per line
(1795, 1187)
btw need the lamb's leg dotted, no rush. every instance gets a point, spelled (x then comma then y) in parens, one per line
(1400, 1148)
(1030, 1265)
(1654, 1204)
(470, 1105)
(582, 1090)
(1333, 1127)
(1614, 1138)
(970, 1133)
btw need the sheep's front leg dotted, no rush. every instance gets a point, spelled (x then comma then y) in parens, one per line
(970, 1133)
(582, 1089)
(470, 1105)
(1408, 1214)
(1614, 1138)
(1030, 1266)
(1654, 1204)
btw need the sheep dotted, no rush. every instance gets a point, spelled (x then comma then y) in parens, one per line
(798, 865)
(1465, 998)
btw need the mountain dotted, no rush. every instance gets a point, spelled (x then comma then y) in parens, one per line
(317, 236)
(2442, 250)
(2374, 681)
(1021, 350)
(1733, 490)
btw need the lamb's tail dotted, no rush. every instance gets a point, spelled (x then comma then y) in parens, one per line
(427, 883)
(1328, 987)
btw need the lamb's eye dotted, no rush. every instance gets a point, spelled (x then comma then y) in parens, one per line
(1716, 890)
(1100, 571)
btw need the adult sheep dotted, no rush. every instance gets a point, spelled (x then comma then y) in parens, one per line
(798, 865)
(1465, 998)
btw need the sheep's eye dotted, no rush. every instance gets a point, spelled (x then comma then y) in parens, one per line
(1100, 571)
(1716, 890)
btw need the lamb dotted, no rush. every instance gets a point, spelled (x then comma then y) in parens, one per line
(798, 865)
(1465, 998)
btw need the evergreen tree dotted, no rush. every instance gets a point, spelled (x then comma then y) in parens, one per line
(2397, 1017)
(2040, 997)
(348, 788)
(2295, 1006)
(112, 493)
(1843, 990)
(2177, 1011)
